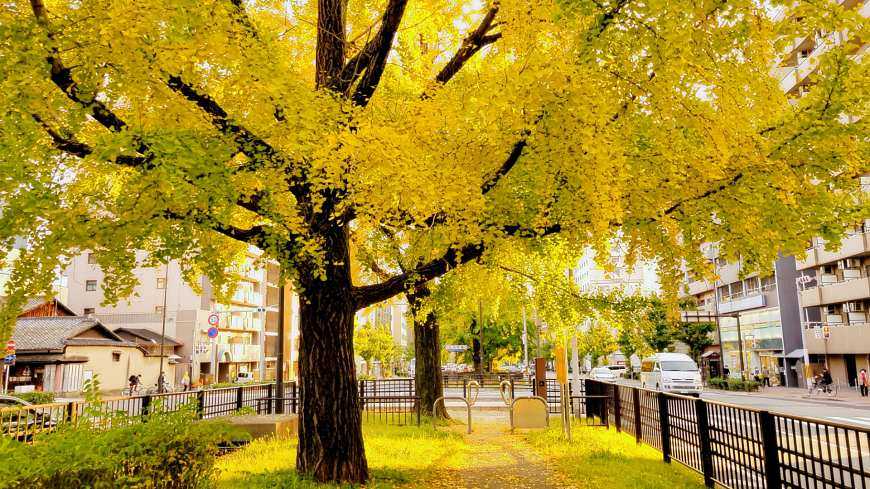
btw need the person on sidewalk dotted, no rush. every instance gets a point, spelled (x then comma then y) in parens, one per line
(827, 380)
(185, 382)
(863, 382)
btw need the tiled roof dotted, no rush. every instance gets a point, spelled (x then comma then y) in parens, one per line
(146, 336)
(53, 333)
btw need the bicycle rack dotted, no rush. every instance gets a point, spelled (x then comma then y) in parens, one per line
(509, 397)
(541, 399)
(453, 398)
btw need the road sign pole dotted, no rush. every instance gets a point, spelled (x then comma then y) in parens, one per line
(6, 381)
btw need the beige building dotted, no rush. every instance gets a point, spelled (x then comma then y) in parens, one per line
(60, 353)
(247, 323)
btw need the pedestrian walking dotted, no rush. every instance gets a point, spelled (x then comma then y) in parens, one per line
(134, 384)
(185, 382)
(863, 382)
(827, 380)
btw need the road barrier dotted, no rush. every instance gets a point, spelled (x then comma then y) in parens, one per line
(739, 447)
(395, 403)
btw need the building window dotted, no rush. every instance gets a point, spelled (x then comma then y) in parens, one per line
(158, 309)
(89, 311)
(116, 356)
(92, 258)
(161, 282)
(91, 285)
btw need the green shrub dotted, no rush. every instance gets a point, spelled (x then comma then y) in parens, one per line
(732, 384)
(166, 451)
(36, 397)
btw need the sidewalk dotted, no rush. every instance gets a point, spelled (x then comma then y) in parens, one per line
(846, 395)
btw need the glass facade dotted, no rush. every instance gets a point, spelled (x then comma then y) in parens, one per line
(760, 337)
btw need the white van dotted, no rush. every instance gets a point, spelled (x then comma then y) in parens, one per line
(671, 372)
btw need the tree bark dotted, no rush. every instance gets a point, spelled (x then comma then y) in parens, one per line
(427, 351)
(330, 429)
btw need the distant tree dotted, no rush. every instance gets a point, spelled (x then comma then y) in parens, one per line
(375, 343)
(658, 330)
(696, 336)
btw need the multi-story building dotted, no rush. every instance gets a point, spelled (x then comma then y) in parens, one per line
(835, 294)
(393, 314)
(756, 317)
(835, 299)
(247, 339)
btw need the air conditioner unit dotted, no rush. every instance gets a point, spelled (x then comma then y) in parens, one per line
(856, 306)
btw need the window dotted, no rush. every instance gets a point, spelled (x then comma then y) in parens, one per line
(116, 356)
(158, 309)
(161, 282)
(89, 311)
(92, 258)
(91, 285)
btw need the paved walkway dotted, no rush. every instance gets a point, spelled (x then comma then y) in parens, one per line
(498, 459)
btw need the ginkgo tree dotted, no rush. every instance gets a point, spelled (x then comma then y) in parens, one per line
(180, 127)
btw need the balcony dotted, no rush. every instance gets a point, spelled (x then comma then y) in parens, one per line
(844, 339)
(743, 303)
(849, 290)
(853, 245)
(247, 298)
(238, 353)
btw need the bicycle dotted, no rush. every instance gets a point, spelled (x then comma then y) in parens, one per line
(818, 387)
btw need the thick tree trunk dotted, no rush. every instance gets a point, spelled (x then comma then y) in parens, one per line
(330, 431)
(427, 351)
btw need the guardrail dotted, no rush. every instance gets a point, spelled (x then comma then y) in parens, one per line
(393, 404)
(486, 379)
(739, 447)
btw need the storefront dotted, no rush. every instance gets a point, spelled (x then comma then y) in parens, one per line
(752, 340)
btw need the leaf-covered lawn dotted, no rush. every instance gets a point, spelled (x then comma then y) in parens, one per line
(602, 458)
(410, 456)
(397, 455)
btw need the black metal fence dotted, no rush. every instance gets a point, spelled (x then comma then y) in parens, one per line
(486, 379)
(389, 401)
(739, 447)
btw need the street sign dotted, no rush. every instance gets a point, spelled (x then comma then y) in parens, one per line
(9, 360)
(212, 332)
(10, 345)
(214, 319)
(456, 348)
(826, 331)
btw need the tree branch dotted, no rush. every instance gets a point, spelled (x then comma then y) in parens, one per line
(473, 43)
(376, 52)
(371, 294)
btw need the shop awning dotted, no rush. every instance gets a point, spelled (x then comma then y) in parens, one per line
(711, 353)
(799, 353)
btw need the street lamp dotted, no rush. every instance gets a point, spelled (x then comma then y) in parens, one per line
(160, 378)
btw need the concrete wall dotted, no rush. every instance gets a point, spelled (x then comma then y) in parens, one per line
(113, 375)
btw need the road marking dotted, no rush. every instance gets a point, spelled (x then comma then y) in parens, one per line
(863, 421)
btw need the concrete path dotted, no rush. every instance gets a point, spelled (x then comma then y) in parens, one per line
(498, 459)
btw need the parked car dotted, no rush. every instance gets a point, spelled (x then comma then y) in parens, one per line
(602, 373)
(245, 377)
(618, 370)
(16, 419)
(671, 372)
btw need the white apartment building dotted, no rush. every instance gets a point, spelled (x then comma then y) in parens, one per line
(392, 313)
(247, 339)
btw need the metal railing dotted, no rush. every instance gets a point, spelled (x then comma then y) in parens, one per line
(387, 401)
(452, 379)
(740, 447)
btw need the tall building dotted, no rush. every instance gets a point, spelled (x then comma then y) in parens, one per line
(756, 315)
(392, 314)
(835, 294)
(247, 323)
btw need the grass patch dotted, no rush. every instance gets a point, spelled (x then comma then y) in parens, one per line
(397, 455)
(602, 458)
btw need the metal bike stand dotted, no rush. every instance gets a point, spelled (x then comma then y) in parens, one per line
(452, 398)
(507, 399)
(543, 401)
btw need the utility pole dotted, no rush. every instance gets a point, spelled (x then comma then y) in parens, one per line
(279, 368)
(160, 378)
(525, 342)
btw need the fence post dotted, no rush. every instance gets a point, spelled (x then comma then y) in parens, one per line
(664, 427)
(239, 398)
(269, 397)
(770, 448)
(146, 405)
(200, 400)
(638, 420)
(617, 416)
(704, 440)
(295, 398)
